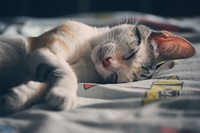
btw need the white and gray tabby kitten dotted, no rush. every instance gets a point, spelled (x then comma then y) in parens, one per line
(49, 66)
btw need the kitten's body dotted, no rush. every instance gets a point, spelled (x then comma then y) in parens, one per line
(75, 52)
(63, 42)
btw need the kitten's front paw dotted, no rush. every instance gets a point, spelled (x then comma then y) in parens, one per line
(13, 101)
(60, 98)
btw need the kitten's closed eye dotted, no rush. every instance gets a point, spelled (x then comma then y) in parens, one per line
(131, 53)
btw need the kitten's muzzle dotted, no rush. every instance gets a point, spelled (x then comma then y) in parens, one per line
(106, 54)
(112, 79)
(106, 51)
(106, 62)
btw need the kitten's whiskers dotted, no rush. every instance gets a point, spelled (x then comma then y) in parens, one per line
(126, 21)
(120, 37)
(137, 19)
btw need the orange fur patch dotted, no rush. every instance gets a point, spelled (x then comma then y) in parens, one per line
(47, 40)
(42, 88)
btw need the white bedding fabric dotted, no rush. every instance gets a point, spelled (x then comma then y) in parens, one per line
(167, 103)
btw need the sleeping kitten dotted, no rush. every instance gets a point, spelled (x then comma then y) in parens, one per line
(50, 65)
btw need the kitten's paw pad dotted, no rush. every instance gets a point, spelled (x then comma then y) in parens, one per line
(13, 102)
(59, 99)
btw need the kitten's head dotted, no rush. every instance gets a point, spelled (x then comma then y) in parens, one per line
(130, 53)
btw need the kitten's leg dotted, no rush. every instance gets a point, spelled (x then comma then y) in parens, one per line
(23, 96)
(53, 69)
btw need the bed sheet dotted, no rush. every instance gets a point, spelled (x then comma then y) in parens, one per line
(167, 103)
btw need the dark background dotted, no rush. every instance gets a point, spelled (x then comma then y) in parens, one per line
(57, 8)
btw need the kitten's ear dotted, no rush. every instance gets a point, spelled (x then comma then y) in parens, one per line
(171, 46)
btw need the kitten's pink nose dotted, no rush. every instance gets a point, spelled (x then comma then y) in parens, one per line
(106, 62)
